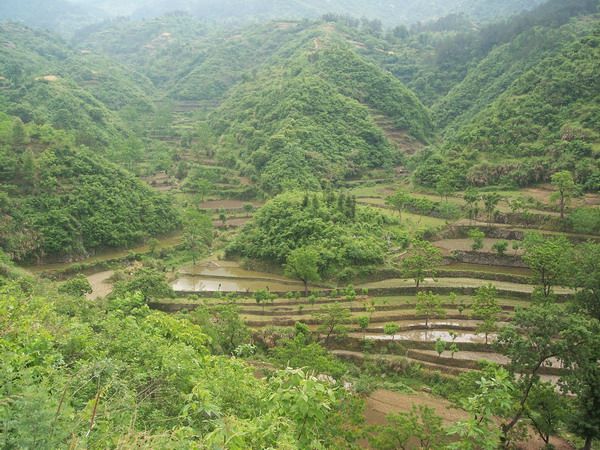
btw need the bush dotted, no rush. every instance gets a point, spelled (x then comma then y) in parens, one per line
(500, 247)
(585, 220)
(77, 286)
(297, 353)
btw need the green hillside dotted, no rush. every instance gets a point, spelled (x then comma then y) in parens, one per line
(499, 53)
(238, 56)
(246, 225)
(47, 82)
(59, 200)
(313, 122)
(67, 16)
(538, 117)
(163, 49)
(299, 132)
(358, 78)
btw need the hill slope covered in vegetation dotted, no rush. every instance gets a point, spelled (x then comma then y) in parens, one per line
(60, 200)
(527, 110)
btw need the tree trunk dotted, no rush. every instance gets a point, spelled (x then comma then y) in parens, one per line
(588, 443)
(328, 336)
(305, 288)
(509, 426)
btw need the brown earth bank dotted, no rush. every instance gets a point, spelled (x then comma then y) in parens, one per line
(228, 204)
(383, 402)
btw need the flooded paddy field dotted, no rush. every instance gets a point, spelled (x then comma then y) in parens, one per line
(107, 255)
(229, 276)
(428, 336)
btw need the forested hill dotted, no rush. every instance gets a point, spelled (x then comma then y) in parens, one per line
(527, 108)
(295, 103)
(61, 200)
(313, 120)
(46, 81)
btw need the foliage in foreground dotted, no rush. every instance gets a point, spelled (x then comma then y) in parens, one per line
(82, 374)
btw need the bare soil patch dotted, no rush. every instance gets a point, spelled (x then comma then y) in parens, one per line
(227, 204)
(101, 287)
(383, 402)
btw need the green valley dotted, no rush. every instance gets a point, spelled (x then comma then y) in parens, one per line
(300, 225)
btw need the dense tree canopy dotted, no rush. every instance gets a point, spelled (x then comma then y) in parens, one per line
(117, 373)
(66, 201)
(343, 237)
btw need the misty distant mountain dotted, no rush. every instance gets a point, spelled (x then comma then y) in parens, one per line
(390, 12)
(57, 15)
(70, 15)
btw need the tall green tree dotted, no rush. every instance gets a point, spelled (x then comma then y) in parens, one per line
(197, 233)
(430, 306)
(398, 201)
(304, 400)
(333, 320)
(486, 308)
(566, 189)
(585, 277)
(363, 324)
(472, 199)
(494, 398)
(547, 411)
(303, 264)
(549, 259)
(490, 202)
(422, 260)
(445, 186)
(537, 337)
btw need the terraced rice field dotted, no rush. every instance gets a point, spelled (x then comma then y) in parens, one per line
(449, 245)
(109, 255)
(227, 205)
(416, 340)
(503, 286)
